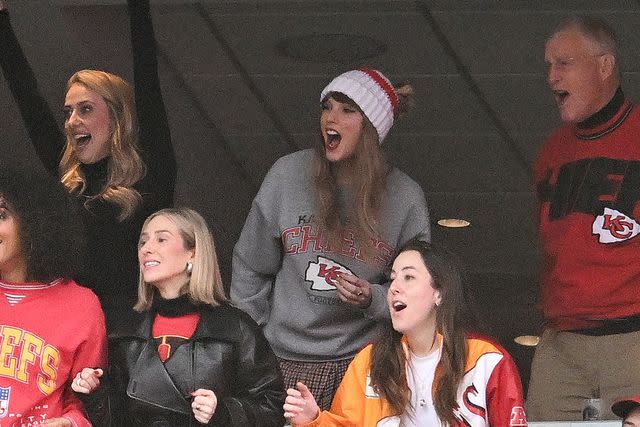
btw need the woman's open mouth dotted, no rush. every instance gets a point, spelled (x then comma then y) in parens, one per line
(398, 306)
(332, 140)
(82, 139)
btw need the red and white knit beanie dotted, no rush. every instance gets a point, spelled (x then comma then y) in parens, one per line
(372, 92)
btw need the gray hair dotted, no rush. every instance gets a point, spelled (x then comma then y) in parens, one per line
(595, 29)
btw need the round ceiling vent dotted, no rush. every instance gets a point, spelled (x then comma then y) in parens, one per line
(338, 48)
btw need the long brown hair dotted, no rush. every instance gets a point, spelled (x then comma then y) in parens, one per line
(367, 170)
(389, 358)
(125, 166)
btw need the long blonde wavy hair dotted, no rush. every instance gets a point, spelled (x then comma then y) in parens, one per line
(125, 165)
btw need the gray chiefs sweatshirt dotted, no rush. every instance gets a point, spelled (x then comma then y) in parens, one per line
(284, 272)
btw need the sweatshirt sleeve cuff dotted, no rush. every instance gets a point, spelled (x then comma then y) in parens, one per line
(77, 418)
(378, 309)
(314, 423)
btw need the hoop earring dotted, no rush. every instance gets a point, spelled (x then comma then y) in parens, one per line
(189, 268)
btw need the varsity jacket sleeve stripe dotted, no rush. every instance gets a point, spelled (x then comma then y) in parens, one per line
(504, 395)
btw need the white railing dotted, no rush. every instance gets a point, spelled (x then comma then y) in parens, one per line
(614, 423)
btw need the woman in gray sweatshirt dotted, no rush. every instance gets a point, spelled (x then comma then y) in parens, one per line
(309, 264)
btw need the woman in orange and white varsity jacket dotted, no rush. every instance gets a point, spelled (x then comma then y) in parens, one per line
(424, 370)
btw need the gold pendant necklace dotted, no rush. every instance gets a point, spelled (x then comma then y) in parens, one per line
(421, 387)
(421, 384)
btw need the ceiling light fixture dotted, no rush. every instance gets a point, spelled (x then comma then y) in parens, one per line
(527, 340)
(453, 223)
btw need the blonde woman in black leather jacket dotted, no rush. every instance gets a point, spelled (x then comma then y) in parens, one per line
(186, 357)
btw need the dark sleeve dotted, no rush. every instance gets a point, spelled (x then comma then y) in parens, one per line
(154, 133)
(41, 125)
(260, 384)
(114, 390)
(106, 406)
(96, 405)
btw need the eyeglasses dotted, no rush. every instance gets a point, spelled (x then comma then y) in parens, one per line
(563, 63)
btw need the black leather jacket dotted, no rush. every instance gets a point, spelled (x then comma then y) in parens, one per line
(227, 354)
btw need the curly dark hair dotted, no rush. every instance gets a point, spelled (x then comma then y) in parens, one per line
(51, 230)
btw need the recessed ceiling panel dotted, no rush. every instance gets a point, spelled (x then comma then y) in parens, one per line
(502, 237)
(230, 104)
(524, 103)
(185, 37)
(458, 163)
(410, 44)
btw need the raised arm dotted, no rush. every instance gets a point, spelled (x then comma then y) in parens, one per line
(45, 135)
(154, 132)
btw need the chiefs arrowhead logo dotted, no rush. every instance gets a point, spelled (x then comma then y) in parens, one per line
(323, 274)
(613, 227)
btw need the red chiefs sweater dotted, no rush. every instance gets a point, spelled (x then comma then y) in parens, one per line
(588, 184)
(48, 333)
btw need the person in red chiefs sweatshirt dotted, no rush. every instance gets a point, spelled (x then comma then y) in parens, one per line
(587, 176)
(50, 327)
(424, 370)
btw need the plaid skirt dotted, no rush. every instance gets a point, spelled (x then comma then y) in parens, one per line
(322, 378)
